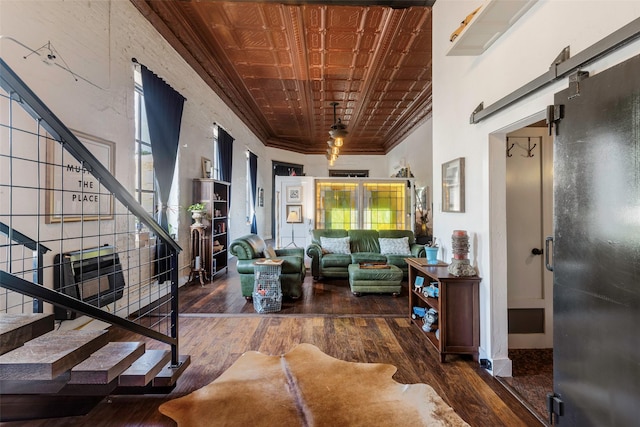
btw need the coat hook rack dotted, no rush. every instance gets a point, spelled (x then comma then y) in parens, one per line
(530, 148)
(509, 148)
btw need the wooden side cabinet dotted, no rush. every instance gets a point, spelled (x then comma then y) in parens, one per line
(457, 304)
(215, 194)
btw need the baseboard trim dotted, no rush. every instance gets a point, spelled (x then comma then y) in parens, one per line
(502, 367)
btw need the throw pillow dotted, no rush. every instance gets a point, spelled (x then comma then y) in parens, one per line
(270, 252)
(335, 245)
(398, 246)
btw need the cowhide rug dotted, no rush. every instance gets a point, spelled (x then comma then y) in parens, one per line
(306, 387)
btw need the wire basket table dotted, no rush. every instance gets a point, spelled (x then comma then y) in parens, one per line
(267, 293)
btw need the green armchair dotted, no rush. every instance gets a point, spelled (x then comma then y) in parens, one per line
(251, 248)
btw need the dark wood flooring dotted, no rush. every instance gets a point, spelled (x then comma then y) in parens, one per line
(217, 325)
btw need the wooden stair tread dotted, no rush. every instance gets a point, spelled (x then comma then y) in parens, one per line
(107, 363)
(168, 376)
(16, 329)
(145, 368)
(46, 357)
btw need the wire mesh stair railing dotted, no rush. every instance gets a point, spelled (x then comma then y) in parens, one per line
(62, 198)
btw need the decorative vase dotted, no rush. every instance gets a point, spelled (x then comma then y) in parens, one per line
(460, 265)
(197, 217)
(432, 255)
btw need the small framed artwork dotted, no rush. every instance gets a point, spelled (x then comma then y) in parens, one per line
(206, 167)
(294, 213)
(294, 194)
(453, 185)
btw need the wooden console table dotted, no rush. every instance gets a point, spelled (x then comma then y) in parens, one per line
(458, 307)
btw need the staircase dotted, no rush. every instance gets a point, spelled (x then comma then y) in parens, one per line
(44, 250)
(46, 373)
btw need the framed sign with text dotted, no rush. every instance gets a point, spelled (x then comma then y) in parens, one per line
(73, 193)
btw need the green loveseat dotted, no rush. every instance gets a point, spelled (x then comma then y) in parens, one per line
(251, 248)
(364, 246)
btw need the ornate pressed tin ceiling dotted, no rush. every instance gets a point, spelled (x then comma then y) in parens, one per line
(279, 66)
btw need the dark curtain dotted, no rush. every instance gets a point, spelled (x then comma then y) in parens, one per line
(164, 113)
(225, 157)
(253, 172)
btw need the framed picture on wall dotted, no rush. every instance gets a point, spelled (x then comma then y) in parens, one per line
(73, 193)
(294, 194)
(294, 213)
(206, 167)
(453, 185)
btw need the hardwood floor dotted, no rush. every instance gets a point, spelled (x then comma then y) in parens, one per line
(217, 325)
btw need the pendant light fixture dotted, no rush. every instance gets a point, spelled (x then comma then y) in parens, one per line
(331, 155)
(338, 130)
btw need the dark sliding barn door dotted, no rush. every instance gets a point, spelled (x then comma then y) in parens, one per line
(596, 253)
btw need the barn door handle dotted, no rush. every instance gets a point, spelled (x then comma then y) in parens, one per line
(547, 245)
(536, 251)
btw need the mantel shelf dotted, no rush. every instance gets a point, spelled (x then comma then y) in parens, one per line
(491, 21)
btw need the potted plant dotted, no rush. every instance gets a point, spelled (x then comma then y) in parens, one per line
(197, 210)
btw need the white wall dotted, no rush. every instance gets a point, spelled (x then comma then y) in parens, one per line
(415, 152)
(461, 83)
(318, 165)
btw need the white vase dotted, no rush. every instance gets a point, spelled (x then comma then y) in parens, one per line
(197, 217)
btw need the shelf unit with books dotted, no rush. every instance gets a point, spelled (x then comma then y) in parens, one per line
(215, 195)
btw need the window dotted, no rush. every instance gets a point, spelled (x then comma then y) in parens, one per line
(337, 205)
(249, 208)
(372, 205)
(348, 173)
(216, 160)
(384, 206)
(145, 176)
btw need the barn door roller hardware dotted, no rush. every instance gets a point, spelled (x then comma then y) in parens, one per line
(574, 82)
(554, 114)
(562, 66)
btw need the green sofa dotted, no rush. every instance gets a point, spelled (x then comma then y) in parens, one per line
(251, 248)
(364, 247)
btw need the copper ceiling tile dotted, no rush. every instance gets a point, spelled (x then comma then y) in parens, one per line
(280, 66)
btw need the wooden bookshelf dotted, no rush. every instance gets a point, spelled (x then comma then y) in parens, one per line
(457, 305)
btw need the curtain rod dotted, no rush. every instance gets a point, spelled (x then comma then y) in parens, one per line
(135, 61)
(222, 127)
